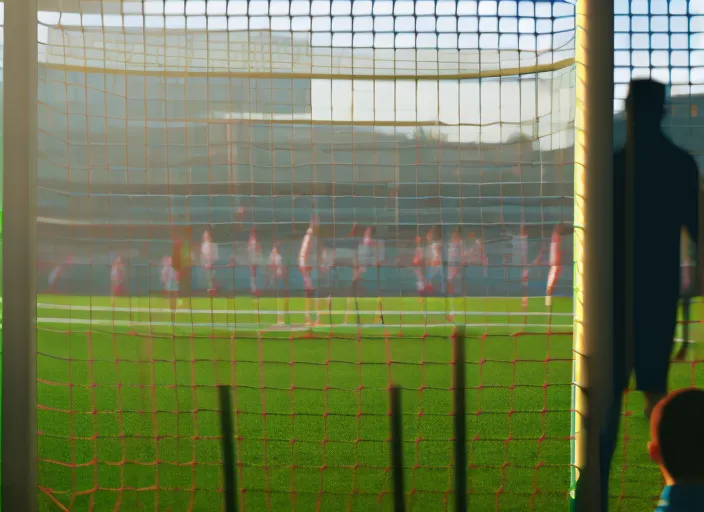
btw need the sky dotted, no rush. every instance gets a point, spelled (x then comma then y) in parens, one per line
(490, 110)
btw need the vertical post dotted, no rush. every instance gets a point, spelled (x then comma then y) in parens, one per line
(397, 450)
(593, 243)
(227, 432)
(460, 418)
(19, 409)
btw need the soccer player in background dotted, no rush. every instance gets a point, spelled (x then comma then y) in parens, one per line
(676, 433)
(455, 257)
(306, 268)
(477, 255)
(208, 258)
(57, 272)
(169, 279)
(117, 277)
(325, 269)
(665, 187)
(526, 270)
(367, 256)
(433, 260)
(253, 253)
(181, 257)
(277, 281)
(418, 268)
(555, 264)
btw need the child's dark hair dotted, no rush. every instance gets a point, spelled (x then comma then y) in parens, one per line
(677, 424)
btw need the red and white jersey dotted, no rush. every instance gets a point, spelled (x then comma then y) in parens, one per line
(555, 249)
(418, 256)
(434, 254)
(208, 254)
(253, 249)
(116, 273)
(304, 253)
(276, 265)
(454, 254)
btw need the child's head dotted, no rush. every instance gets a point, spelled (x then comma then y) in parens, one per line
(677, 436)
(166, 261)
(206, 236)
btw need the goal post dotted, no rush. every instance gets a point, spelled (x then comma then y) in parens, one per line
(593, 244)
(19, 390)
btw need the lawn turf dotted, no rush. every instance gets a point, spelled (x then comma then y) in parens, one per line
(311, 412)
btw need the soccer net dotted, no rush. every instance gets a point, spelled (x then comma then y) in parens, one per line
(180, 142)
(428, 148)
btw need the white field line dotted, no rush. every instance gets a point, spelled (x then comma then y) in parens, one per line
(337, 311)
(266, 325)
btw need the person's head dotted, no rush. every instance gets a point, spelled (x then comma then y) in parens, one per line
(456, 237)
(419, 240)
(430, 235)
(166, 261)
(368, 233)
(206, 236)
(646, 102)
(118, 260)
(677, 436)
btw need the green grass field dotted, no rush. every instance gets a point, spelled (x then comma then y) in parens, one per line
(128, 407)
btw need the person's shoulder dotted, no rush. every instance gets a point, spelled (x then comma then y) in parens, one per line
(680, 498)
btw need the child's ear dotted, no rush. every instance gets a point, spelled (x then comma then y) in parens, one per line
(654, 452)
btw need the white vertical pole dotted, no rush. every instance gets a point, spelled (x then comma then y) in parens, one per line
(593, 328)
(19, 390)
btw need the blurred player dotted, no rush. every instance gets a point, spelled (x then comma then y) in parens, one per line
(455, 257)
(526, 269)
(306, 268)
(181, 258)
(56, 273)
(418, 268)
(277, 281)
(169, 279)
(367, 256)
(476, 255)
(326, 269)
(253, 253)
(117, 277)
(208, 257)
(433, 260)
(555, 264)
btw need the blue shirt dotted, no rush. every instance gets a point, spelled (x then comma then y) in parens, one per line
(681, 498)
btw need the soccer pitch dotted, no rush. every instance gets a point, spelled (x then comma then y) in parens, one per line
(128, 413)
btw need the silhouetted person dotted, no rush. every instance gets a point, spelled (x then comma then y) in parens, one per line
(665, 192)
